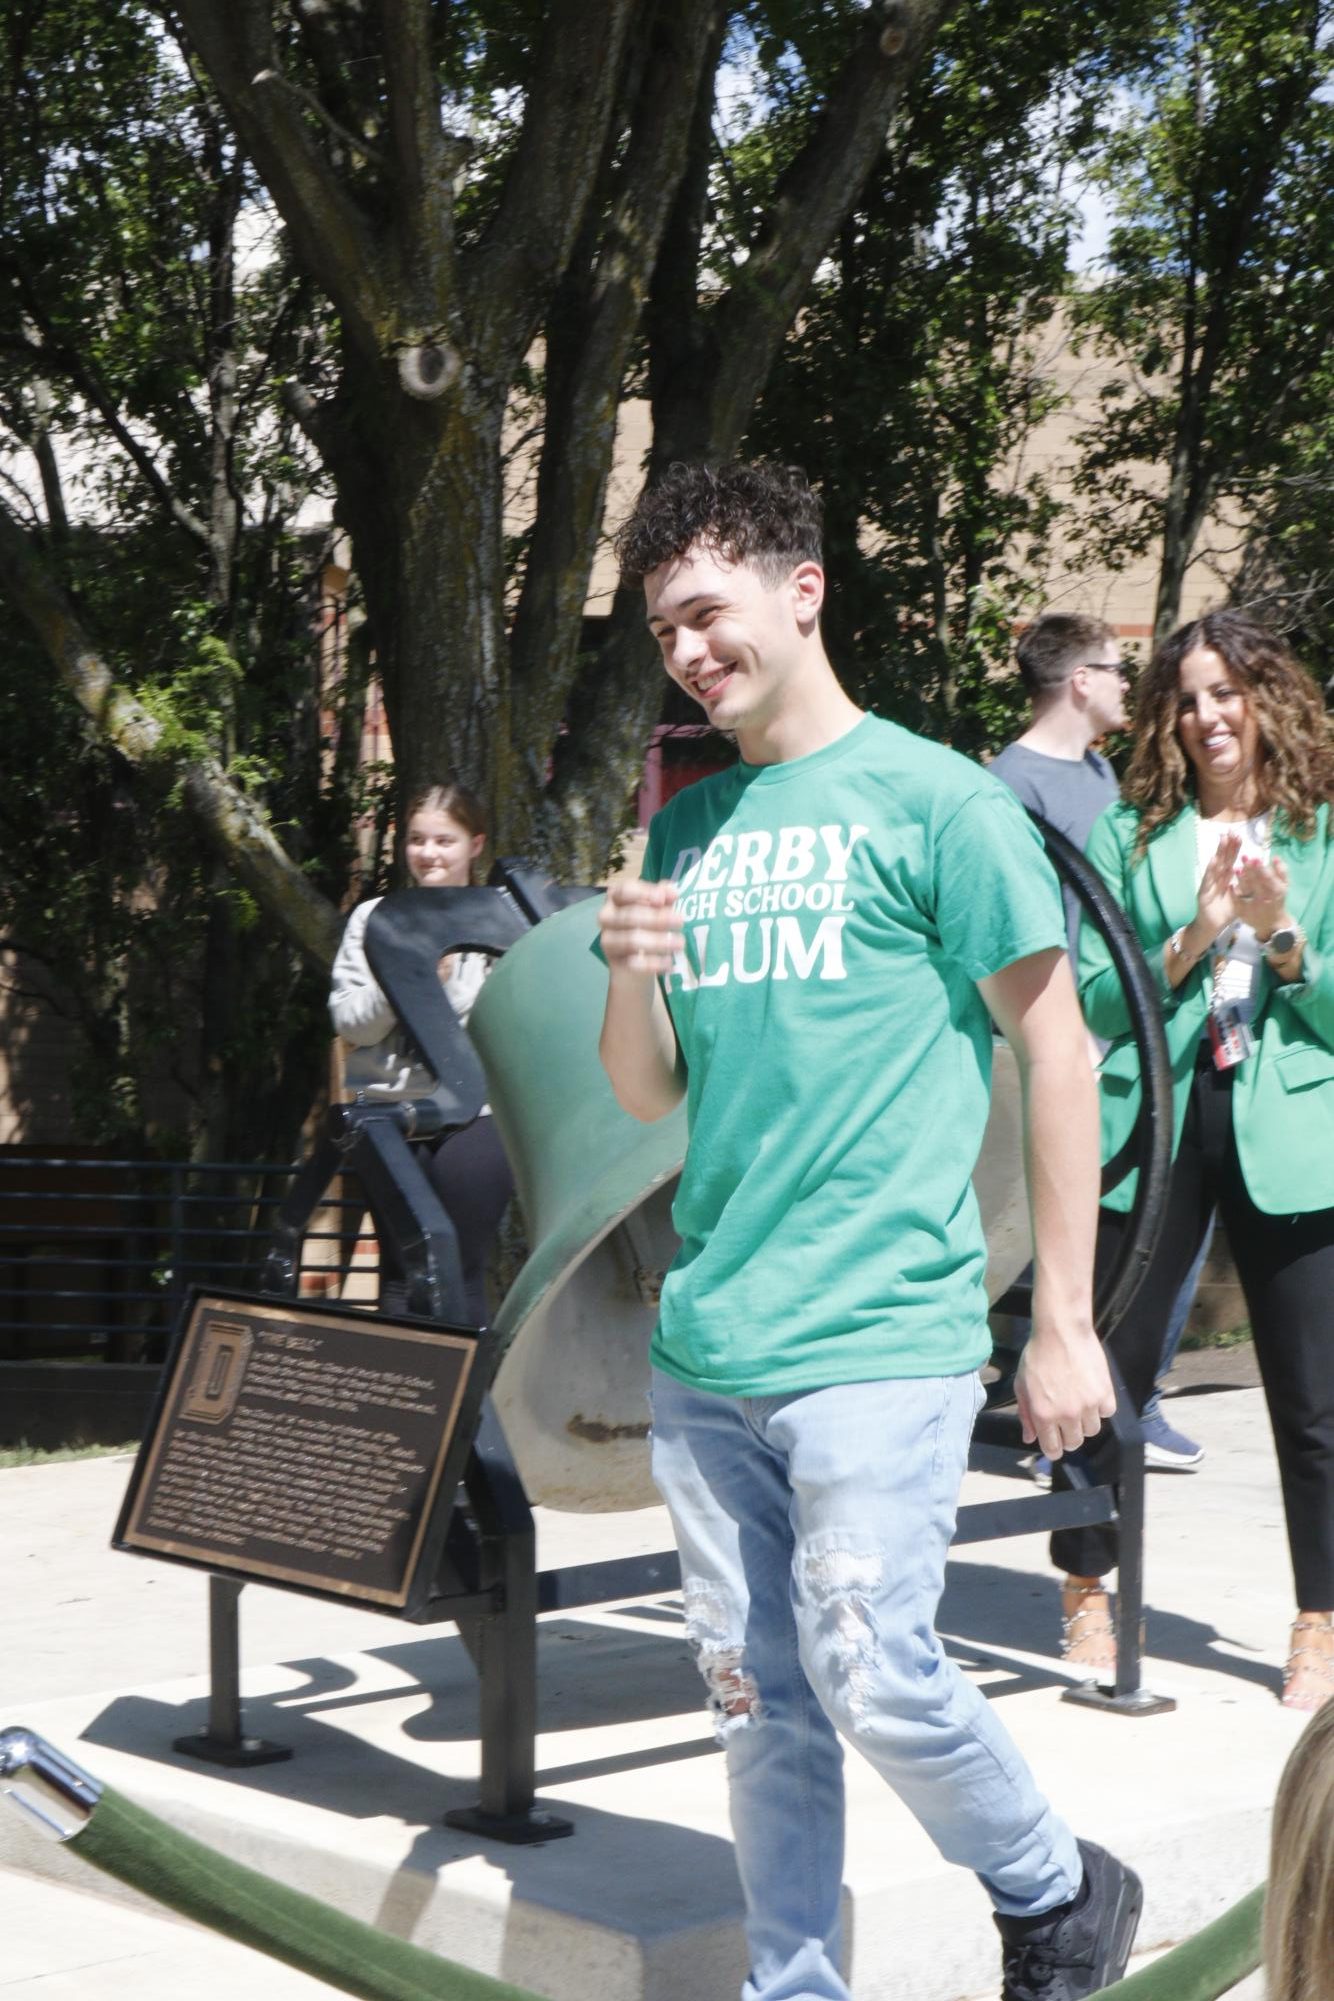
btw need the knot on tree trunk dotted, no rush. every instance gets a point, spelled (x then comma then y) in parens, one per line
(894, 34)
(427, 368)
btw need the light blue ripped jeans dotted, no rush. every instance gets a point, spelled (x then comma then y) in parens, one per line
(813, 1531)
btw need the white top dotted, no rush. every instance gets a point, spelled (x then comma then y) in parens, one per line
(1236, 952)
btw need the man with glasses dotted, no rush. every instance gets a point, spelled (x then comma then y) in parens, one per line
(1077, 681)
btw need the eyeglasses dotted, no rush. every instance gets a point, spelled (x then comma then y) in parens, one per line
(1108, 667)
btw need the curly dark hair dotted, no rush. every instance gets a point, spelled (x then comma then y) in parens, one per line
(748, 511)
(1296, 770)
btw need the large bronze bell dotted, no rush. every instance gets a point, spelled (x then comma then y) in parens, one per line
(596, 1189)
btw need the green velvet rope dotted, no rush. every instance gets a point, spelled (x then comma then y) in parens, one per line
(176, 1870)
(1201, 1968)
(189, 1877)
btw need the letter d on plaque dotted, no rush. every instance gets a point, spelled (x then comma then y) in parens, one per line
(219, 1371)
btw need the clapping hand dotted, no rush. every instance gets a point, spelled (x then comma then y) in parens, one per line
(1261, 895)
(1216, 905)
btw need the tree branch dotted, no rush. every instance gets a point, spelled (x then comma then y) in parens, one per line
(342, 133)
(707, 365)
(53, 353)
(339, 43)
(232, 823)
(813, 195)
(44, 997)
(513, 271)
(422, 159)
(586, 361)
(315, 417)
(682, 349)
(330, 235)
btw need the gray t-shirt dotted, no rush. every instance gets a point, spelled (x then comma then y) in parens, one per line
(1069, 792)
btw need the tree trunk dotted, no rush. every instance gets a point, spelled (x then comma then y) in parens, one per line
(709, 358)
(1185, 510)
(420, 490)
(584, 199)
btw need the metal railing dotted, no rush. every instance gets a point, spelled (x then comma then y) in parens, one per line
(98, 1256)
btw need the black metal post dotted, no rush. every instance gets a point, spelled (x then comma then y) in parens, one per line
(1127, 1696)
(176, 1241)
(282, 1267)
(411, 1218)
(223, 1742)
(503, 1644)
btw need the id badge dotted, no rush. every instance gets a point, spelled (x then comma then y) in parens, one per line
(1229, 1036)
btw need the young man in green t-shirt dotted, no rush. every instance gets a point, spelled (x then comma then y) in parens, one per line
(813, 957)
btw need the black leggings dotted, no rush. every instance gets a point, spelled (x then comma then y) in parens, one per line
(1286, 1268)
(469, 1172)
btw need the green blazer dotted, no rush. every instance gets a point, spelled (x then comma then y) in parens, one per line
(1283, 1096)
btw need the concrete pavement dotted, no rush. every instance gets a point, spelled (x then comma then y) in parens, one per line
(105, 1654)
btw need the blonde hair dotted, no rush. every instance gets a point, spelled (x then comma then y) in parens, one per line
(1299, 1900)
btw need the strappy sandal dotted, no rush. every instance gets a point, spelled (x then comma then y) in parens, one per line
(1088, 1632)
(1308, 1673)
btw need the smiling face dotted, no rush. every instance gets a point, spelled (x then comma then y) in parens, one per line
(736, 644)
(1218, 731)
(439, 850)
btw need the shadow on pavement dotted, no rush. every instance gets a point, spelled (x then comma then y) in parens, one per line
(996, 1607)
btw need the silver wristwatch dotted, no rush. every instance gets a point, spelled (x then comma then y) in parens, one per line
(1286, 939)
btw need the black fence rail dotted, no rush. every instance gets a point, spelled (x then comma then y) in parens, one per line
(97, 1256)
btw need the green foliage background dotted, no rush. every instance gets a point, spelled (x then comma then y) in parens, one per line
(153, 323)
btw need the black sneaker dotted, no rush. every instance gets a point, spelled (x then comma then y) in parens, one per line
(1074, 1950)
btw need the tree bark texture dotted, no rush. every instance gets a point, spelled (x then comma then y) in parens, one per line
(599, 204)
(709, 358)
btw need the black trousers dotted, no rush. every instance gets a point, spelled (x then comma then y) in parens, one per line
(1286, 1268)
(469, 1172)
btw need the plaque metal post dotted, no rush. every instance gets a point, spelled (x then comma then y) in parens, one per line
(222, 1741)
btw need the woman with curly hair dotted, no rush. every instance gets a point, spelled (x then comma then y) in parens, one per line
(1221, 852)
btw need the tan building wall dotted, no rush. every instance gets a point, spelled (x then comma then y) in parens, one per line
(1072, 581)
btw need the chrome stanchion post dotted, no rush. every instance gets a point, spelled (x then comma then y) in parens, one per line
(55, 1793)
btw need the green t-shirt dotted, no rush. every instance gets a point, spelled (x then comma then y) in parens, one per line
(838, 911)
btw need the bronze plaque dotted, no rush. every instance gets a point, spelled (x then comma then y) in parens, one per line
(302, 1445)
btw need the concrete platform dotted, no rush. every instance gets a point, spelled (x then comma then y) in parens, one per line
(105, 1655)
